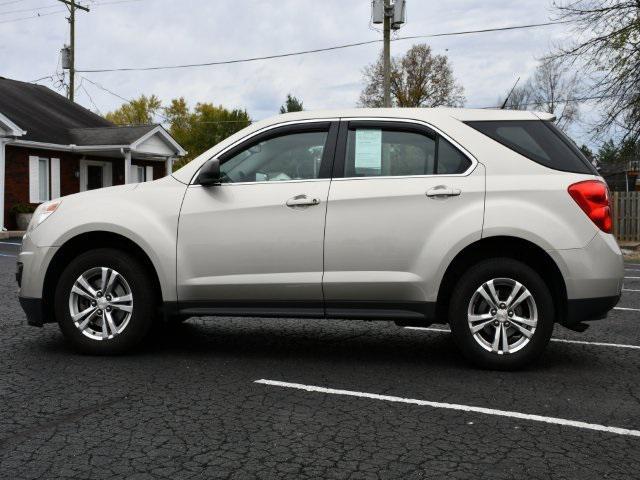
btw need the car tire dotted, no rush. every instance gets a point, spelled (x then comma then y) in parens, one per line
(494, 327)
(119, 317)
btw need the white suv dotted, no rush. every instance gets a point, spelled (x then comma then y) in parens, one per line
(490, 221)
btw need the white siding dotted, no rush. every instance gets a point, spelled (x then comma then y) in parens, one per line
(149, 174)
(34, 185)
(55, 178)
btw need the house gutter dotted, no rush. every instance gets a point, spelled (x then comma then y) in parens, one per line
(65, 148)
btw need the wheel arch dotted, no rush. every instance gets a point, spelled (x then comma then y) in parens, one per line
(85, 242)
(510, 247)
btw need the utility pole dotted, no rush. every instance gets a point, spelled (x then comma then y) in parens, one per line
(392, 16)
(387, 54)
(72, 5)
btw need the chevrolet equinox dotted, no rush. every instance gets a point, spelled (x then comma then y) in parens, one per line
(490, 221)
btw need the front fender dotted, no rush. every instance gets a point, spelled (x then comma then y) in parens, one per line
(147, 215)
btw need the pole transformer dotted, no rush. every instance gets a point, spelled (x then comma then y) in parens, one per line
(72, 5)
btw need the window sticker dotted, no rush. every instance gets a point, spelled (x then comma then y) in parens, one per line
(369, 149)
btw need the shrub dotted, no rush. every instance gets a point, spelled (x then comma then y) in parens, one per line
(23, 208)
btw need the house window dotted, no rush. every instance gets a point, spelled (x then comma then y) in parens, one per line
(44, 193)
(141, 174)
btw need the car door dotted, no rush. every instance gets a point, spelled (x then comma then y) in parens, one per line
(253, 244)
(403, 198)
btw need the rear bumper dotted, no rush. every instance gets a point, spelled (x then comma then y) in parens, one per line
(587, 309)
(33, 309)
(593, 272)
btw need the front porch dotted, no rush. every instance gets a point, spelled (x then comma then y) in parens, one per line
(34, 172)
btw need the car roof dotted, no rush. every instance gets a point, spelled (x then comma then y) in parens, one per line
(425, 114)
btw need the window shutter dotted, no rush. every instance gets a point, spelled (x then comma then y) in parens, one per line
(149, 174)
(108, 174)
(55, 178)
(34, 181)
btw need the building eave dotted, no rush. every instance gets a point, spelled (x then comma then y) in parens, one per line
(165, 135)
(13, 129)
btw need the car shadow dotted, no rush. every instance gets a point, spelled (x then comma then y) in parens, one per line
(333, 341)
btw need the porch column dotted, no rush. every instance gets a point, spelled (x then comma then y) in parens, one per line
(127, 167)
(168, 166)
(3, 143)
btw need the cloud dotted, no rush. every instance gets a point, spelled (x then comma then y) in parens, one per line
(156, 32)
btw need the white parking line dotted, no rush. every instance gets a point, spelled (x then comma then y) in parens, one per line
(630, 290)
(14, 243)
(627, 309)
(597, 344)
(560, 340)
(631, 278)
(5, 255)
(454, 406)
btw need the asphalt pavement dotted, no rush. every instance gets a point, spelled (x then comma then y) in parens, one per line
(256, 398)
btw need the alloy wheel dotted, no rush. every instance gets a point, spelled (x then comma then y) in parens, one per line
(502, 316)
(101, 303)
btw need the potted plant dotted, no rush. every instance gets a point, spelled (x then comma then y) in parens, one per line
(23, 213)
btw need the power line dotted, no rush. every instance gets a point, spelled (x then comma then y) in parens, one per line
(32, 9)
(318, 50)
(84, 89)
(38, 15)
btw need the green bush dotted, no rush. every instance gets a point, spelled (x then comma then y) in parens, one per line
(23, 208)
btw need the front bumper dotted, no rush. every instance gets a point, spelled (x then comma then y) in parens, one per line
(32, 265)
(34, 310)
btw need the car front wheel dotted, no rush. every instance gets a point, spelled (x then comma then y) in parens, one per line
(501, 314)
(104, 302)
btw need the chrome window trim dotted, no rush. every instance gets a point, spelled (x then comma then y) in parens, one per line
(260, 131)
(466, 173)
(276, 182)
(465, 152)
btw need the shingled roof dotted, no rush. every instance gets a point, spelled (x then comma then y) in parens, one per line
(109, 135)
(48, 117)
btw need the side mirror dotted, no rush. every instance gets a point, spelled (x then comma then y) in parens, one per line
(209, 174)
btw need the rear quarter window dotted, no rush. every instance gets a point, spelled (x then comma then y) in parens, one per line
(538, 140)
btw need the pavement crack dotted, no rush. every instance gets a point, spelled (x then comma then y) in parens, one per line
(70, 417)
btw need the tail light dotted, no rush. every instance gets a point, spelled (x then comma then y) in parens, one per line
(593, 198)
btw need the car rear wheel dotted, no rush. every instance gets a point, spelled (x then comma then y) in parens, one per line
(104, 302)
(501, 314)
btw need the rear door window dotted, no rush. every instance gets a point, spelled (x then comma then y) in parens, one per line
(382, 152)
(538, 140)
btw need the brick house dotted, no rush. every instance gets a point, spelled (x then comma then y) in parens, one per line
(51, 147)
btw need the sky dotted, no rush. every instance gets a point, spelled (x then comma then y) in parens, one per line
(139, 33)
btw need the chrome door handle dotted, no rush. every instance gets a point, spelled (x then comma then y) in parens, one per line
(443, 191)
(302, 201)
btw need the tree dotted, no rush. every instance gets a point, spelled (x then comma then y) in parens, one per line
(418, 79)
(608, 153)
(199, 129)
(587, 152)
(552, 89)
(292, 104)
(140, 111)
(607, 49)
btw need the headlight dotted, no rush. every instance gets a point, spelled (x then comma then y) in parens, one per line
(42, 213)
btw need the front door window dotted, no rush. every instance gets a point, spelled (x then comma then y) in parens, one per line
(295, 156)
